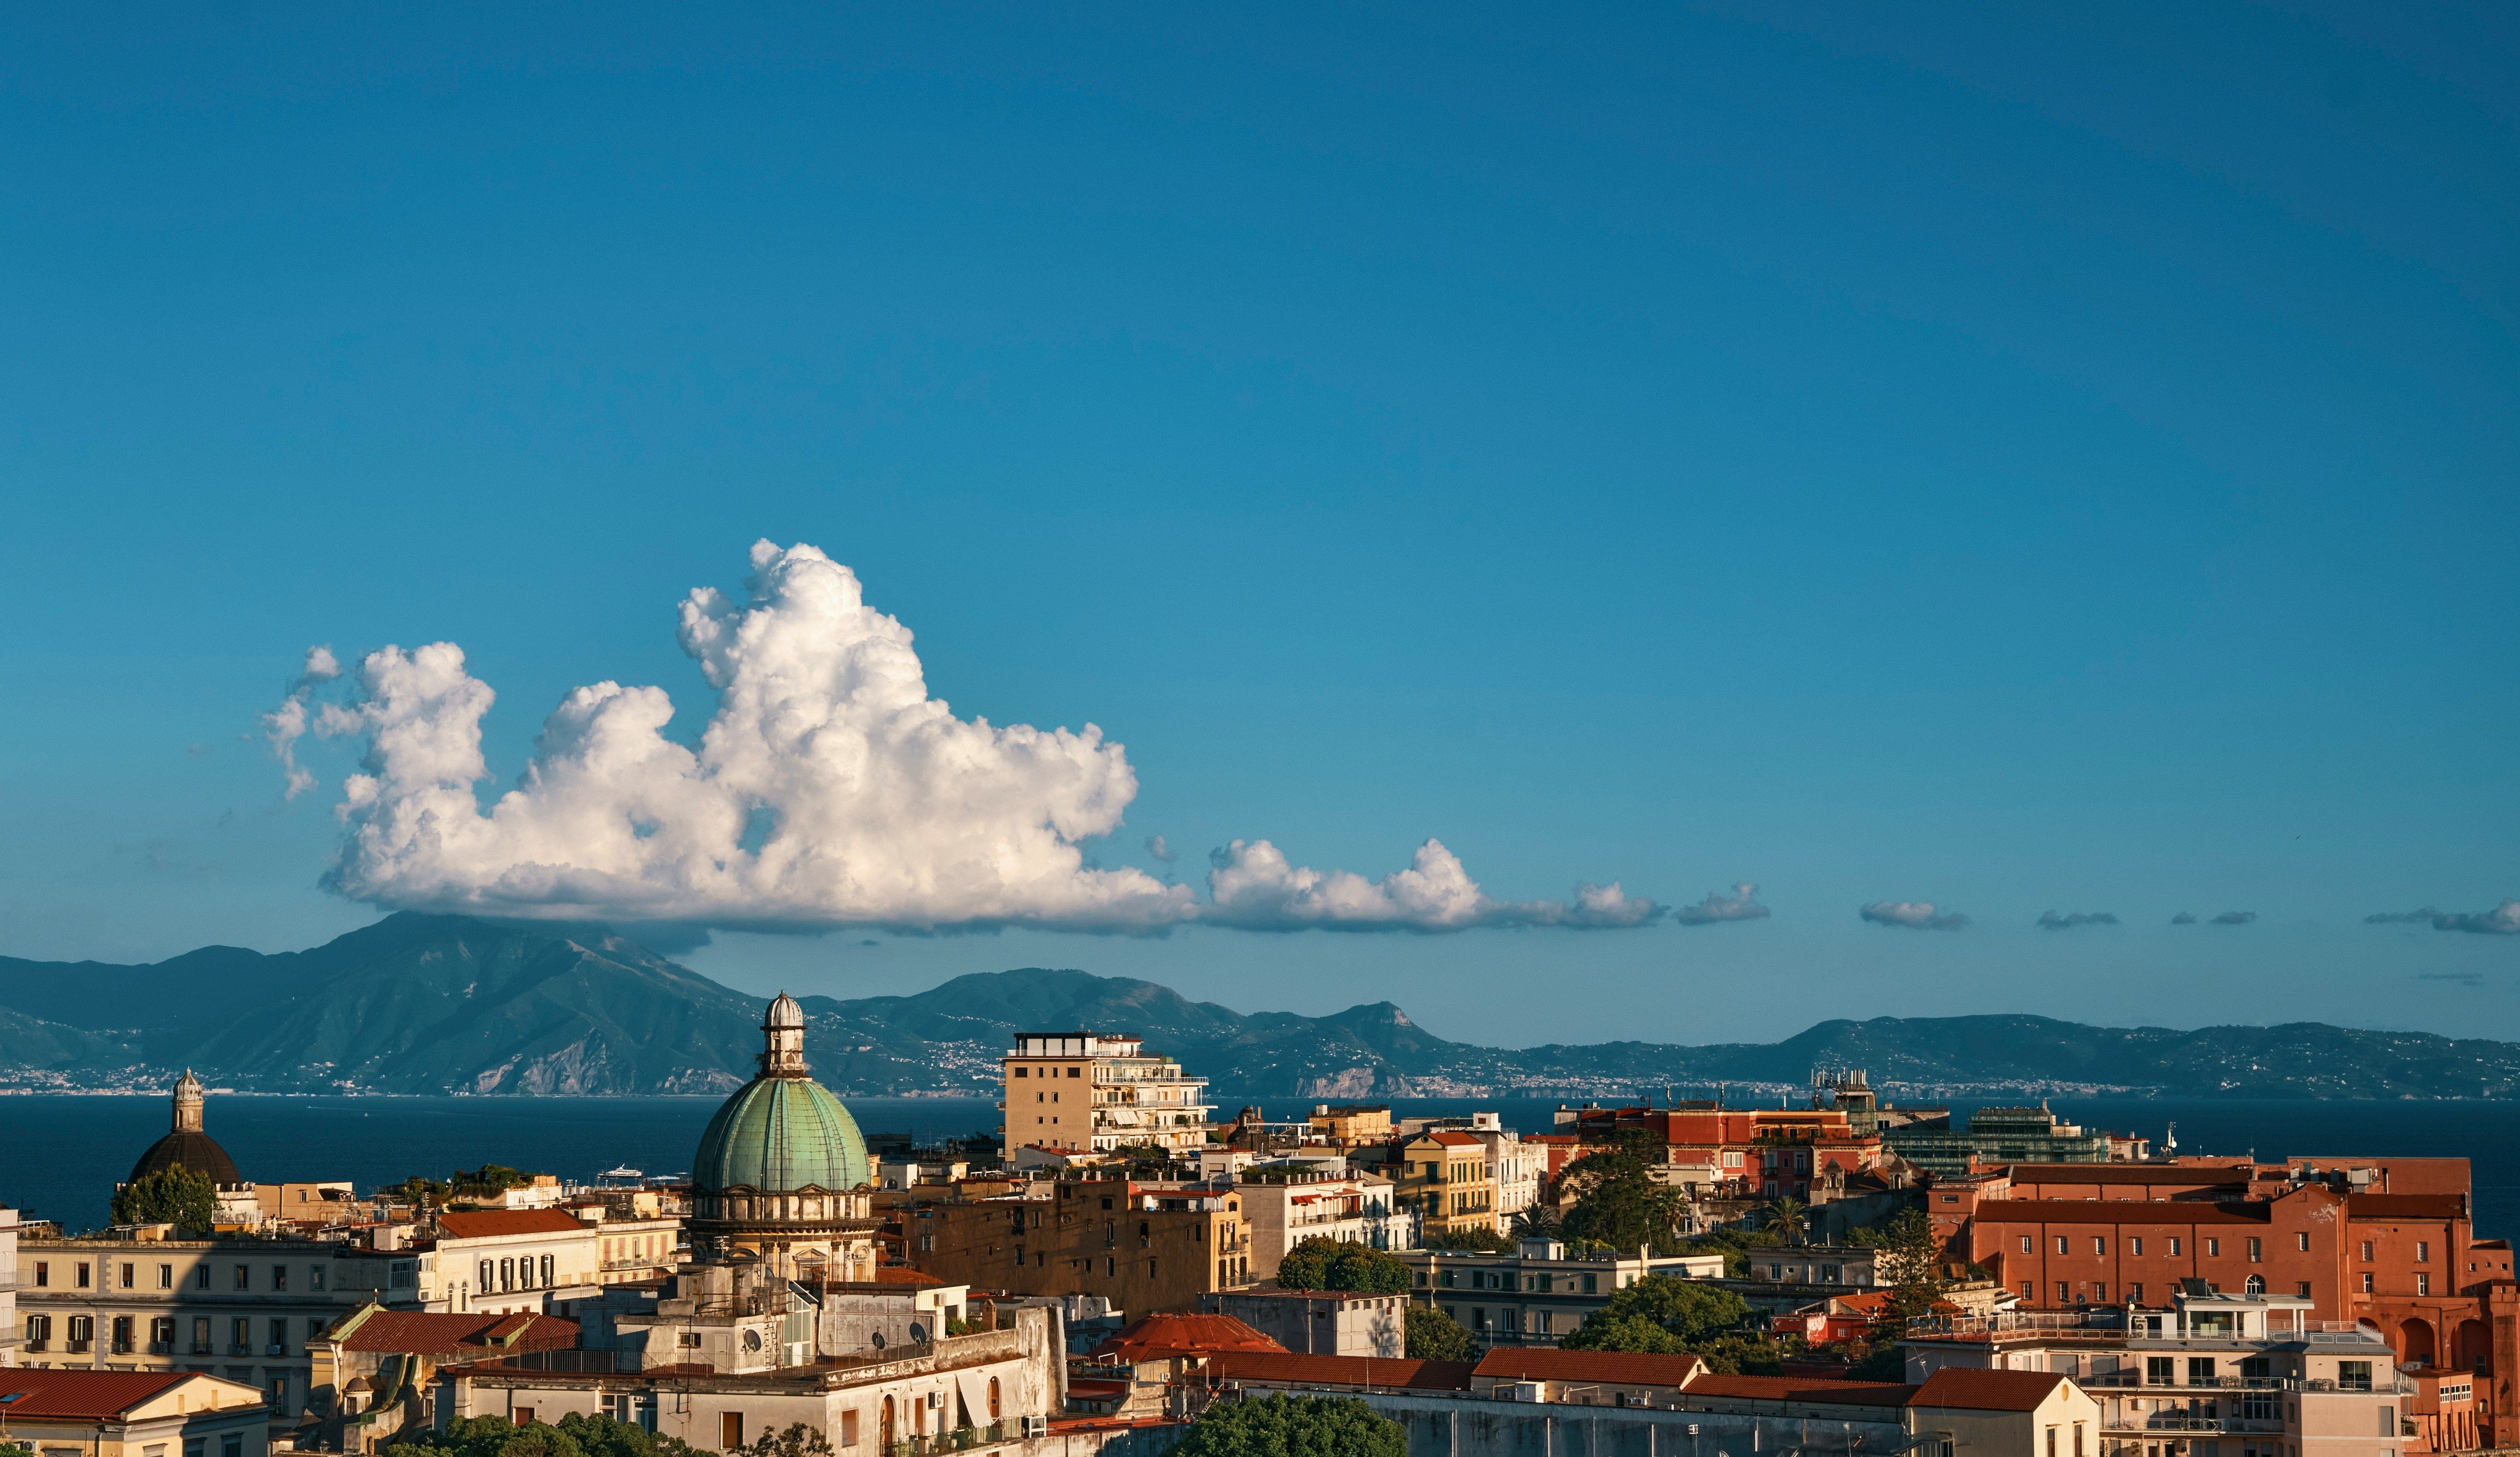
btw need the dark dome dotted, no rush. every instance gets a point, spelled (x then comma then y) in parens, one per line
(188, 1148)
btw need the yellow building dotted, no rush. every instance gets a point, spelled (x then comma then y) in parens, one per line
(1075, 1090)
(1446, 1177)
(132, 1414)
(1351, 1126)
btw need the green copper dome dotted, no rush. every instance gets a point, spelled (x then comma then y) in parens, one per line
(779, 1135)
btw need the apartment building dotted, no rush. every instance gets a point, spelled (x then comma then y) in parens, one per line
(1141, 1246)
(1353, 1126)
(1443, 1176)
(1539, 1293)
(1078, 1090)
(1515, 1167)
(242, 1309)
(1288, 1201)
(2253, 1376)
(1743, 1153)
(8, 1336)
(64, 1413)
(508, 1262)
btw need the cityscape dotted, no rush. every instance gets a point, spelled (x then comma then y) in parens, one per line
(1085, 730)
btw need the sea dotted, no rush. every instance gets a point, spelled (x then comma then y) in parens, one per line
(61, 1154)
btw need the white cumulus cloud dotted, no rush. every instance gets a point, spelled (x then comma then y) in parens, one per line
(285, 724)
(2502, 921)
(1913, 915)
(827, 789)
(1740, 906)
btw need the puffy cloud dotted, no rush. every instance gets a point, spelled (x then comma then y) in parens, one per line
(2502, 921)
(2050, 920)
(1252, 885)
(2184, 918)
(1915, 915)
(827, 789)
(1162, 850)
(285, 724)
(2235, 919)
(1740, 906)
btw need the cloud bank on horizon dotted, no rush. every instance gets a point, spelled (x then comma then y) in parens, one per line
(828, 789)
(2502, 921)
(1913, 915)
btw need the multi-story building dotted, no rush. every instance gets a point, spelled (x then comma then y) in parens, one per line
(1539, 1293)
(2256, 1376)
(1741, 1153)
(1445, 1177)
(8, 1336)
(510, 1260)
(1517, 1167)
(1353, 1126)
(1996, 1135)
(1143, 1248)
(242, 1310)
(64, 1413)
(1288, 1201)
(1079, 1091)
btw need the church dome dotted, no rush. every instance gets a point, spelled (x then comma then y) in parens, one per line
(779, 1135)
(186, 1146)
(784, 1012)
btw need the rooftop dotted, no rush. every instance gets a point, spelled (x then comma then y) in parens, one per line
(482, 1224)
(418, 1333)
(67, 1396)
(1172, 1335)
(1622, 1367)
(1341, 1371)
(1971, 1390)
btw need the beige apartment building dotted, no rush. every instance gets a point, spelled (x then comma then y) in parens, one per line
(1080, 1091)
(1141, 1246)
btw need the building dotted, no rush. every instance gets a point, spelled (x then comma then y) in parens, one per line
(508, 1261)
(1141, 1247)
(1321, 1322)
(1812, 1264)
(1079, 1091)
(1540, 1293)
(2257, 1373)
(1515, 1167)
(1714, 1152)
(188, 1146)
(1444, 1176)
(1353, 1126)
(375, 1371)
(1157, 1365)
(636, 1249)
(244, 1308)
(782, 1171)
(1997, 1136)
(1292, 1200)
(64, 1413)
(990, 1386)
(1586, 1378)
(8, 1336)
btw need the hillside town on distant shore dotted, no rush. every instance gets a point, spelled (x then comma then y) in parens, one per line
(1123, 1269)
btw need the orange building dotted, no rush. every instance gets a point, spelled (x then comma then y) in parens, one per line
(1762, 1152)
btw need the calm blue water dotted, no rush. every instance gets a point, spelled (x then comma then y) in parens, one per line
(61, 1154)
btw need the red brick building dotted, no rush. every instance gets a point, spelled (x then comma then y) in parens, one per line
(1763, 1153)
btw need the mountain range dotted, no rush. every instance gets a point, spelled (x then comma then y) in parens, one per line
(421, 1003)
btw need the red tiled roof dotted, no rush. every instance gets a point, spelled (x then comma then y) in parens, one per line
(422, 1334)
(1624, 1367)
(902, 1274)
(1453, 1138)
(2405, 1207)
(1341, 1371)
(2126, 1212)
(490, 1223)
(2127, 1173)
(1171, 1335)
(1802, 1388)
(1971, 1390)
(82, 1395)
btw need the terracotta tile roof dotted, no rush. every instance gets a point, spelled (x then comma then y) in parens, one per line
(1802, 1388)
(2127, 1173)
(1340, 1371)
(902, 1274)
(422, 1334)
(1626, 1368)
(490, 1223)
(1451, 1138)
(2114, 1211)
(1184, 1335)
(2405, 1207)
(1971, 1390)
(82, 1396)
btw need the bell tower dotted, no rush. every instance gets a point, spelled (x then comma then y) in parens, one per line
(188, 1103)
(783, 1039)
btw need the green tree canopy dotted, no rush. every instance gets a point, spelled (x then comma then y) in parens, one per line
(1294, 1427)
(1690, 1312)
(577, 1435)
(1617, 1200)
(1473, 1241)
(1319, 1263)
(169, 1195)
(1910, 1265)
(1433, 1336)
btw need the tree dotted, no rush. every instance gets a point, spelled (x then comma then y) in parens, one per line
(600, 1435)
(1294, 1427)
(169, 1195)
(1624, 1332)
(577, 1435)
(1617, 1200)
(1319, 1263)
(1785, 1217)
(1433, 1336)
(1910, 1265)
(1690, 1312)
(798, 1441)
(1473, 1241)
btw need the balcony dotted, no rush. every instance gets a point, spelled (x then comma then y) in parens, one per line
(80, 1348)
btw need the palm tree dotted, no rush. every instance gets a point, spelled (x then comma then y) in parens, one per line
(1786, 1217)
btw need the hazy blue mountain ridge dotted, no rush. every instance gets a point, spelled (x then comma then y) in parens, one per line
(421, 1003)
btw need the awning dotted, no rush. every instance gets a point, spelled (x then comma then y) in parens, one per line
(974, 1386)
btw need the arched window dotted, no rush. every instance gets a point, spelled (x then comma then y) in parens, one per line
(2257, 1285)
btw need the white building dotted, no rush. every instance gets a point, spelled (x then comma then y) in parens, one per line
(1539, 1293)
(505, 1260)
(1517, 1166)
(8, 1336)
(1292, 1200)
(1077, 1091)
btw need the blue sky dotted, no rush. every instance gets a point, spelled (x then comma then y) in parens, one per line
(2014, 460)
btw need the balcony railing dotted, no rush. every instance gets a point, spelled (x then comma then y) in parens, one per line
(81, 1347)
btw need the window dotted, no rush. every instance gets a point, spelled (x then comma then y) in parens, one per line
(2212, 1249)
(2255, 1286)
(162, 1331)
(242, 1279)
(122, 1335)
(280, 1277)
(2257, 1250)
(2135, 1245)
(232, 1444)
(1075, 1071)
(1589, 1286)
(129, 1280)
(1023, 1072)
(2366, 1282)
(2025, 1243)
(850, 1418)
(2135, 1293)
(314, 1277)
(166, 1278)
(2174, 1247)
(240, 1336)
(2353, 1376)
(2367, 1252)
(2100, 1290)
(2423, 1252)
(2423, 1284)
(2301, 1288)
(78, 1274)
(2301, 1241)
(524, 1416)
(2389, 1421)
(201, 1277)
(2060, 1244)
(200, 1335)
(2200, 1371)
(43, 1273)
(2061, 1296)
(315, 1328)
(2051, 1441)
(2025, 1291)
